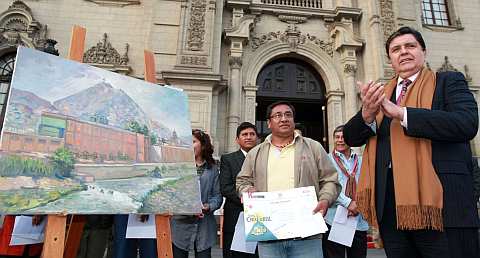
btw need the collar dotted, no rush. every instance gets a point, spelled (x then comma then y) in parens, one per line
(203, 165)
(352, 154)
(244, 152)
(295, 136)
(411, 78)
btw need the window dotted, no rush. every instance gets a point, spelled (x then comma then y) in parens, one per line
(6, 70)
(435, 12)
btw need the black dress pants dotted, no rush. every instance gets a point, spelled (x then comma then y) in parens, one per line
(180, 253)
(336, 250)
(409, 243)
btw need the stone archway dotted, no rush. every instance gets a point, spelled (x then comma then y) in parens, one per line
(321, 59)
(291, 79)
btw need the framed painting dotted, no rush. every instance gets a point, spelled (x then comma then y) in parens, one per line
(81, 140)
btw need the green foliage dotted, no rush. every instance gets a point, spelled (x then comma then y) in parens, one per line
(12, 166)
(25, 199)
(63, 161)
(153, 138)
(123, 157)
(134, 126)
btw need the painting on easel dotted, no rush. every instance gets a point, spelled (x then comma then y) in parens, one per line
(81, 140)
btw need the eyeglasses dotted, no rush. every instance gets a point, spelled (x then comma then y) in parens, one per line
(278, 116)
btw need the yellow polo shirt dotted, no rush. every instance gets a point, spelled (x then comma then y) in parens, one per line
(280, 170)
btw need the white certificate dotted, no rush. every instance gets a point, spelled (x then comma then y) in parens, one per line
(282, 214)
(25, 233)
(239, 243)
(343, 227)
(138, 229)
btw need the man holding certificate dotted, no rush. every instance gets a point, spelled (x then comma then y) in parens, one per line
(284, 161)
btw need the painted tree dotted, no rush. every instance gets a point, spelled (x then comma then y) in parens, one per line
(63, 162)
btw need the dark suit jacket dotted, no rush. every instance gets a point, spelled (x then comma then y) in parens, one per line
(450, 125)
(230, 166)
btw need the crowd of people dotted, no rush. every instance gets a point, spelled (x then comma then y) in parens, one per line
(415, 181)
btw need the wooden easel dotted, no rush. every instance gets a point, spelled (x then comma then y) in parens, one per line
(57, 244)
(162, 221)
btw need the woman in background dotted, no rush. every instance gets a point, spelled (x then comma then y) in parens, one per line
(200, 229)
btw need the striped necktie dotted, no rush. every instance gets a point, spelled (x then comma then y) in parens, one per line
(405, 83)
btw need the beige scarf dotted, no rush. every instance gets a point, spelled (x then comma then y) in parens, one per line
(418, 191)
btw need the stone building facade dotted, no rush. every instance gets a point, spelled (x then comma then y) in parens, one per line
(234, 57)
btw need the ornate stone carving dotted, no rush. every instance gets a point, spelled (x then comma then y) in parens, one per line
(105, 56)
(115, 2)
(104, 53)
(196, 29)
(387, 18)
(18, 27)
(194, 60)
(447, 66)
(235, 61)
(349, 68)
(388, 72)
(293, 37)
(292, 19)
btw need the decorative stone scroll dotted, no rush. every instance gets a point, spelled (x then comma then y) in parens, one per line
(104, 53)
(18, 27)
(292, 19)
(387, 18)
(105, 56)
(447, 66)
(120, 3)
(294, 38)
(235, 61)
(194, 60)
(349, 68)
(196, 29)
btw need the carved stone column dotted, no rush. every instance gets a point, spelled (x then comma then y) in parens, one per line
(350, 89)
(234, 101)
(250, 103)
(334, 108)
(346, 43)
(237, 36)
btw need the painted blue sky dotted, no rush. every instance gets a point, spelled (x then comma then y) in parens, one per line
(53, 78)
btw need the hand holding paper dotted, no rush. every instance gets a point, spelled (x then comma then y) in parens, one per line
(283, 214)
(321, 207)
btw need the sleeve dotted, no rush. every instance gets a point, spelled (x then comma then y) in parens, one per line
(343, 200)
(328, 177)
(227, 184)
(245, 177)
(356, 132)
(476, 178)
(457, 121)
(215, 199)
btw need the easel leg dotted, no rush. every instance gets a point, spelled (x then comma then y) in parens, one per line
(74, 236)
(164, 236)
(54, 236)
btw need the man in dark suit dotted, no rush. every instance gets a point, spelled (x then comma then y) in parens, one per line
(416, 180)
(230, 165)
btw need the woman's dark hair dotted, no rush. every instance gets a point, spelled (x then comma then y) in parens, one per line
(207, 147)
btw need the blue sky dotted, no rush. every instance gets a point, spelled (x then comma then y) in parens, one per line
(53, 78)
